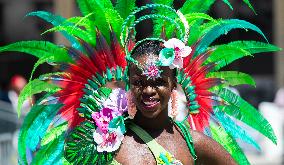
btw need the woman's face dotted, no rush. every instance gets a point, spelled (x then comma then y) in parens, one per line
(151, 96)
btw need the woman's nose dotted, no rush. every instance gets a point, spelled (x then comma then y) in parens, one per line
(149, 91)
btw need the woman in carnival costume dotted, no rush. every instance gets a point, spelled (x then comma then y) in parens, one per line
(160, 100)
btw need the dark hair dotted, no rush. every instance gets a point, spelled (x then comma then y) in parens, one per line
(147, 47)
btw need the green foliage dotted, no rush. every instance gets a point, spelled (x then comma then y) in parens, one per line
(246, 113)
(229, 143)
(233, 78)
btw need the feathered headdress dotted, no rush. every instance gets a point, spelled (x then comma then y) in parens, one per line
(78, 105)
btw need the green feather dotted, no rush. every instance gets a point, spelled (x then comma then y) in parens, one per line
(97, 6)
(57, 20)
(254, 46)
(40, 124)
(245, 112)
(228, 3)
(113, 18)
(233, 128)
(224, 27)
(50, 153)
(53, 133)
(198, 29)
(249, 5)
(33, 87)
(224, 55)
(76, 32)
(124, 7)
(233, 78)
(191, 6)
(81, 21)
(40, 49)
(193, 17)
(229, 143)
(28, 122)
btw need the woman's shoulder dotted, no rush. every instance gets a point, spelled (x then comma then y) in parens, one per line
(209, 151)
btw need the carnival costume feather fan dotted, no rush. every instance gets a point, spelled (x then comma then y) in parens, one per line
(60, 128)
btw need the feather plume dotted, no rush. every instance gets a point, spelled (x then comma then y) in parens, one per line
(228, 142)
(245, 112)
(34, 87)
(124, 7)
(254, 46)
(224, 27)
(235, 130)
(50, 153)
(40, 49)
(233, 78)
(192, 6)
(29, 120)
(57, 20)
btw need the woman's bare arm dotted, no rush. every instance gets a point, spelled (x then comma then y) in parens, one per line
(208, 151)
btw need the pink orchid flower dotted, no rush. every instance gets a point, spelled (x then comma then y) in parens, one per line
(180, 51)
(103, 118)
(109, 141)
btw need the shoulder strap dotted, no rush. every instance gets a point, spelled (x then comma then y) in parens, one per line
(155, 148)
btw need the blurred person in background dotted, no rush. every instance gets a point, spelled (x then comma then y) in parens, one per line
(17, 83)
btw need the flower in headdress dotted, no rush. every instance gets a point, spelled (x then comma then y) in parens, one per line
(109, 141)
(152, 71)
(174, 53)
(110, 122)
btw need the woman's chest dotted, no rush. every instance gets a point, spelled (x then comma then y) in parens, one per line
(134, 151)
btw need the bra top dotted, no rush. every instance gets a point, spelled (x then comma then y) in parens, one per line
(162, 156)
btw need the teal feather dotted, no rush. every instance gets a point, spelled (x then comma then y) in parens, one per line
(57, 20)
(246, 113)
(38, 128)
(50, 153)
(29, 120)
(235, 130)
(229, 143)
(228, 3)
(224, 27)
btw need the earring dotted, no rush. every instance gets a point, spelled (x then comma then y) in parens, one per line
(130, 104)
(174, 111)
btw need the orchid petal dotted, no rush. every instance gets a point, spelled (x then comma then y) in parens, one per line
(166, 56)
(185, 51)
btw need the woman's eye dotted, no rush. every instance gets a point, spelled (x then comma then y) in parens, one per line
(160, 82)
(137, 82)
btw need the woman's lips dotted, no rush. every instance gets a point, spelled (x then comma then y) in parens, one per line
(150, 103)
